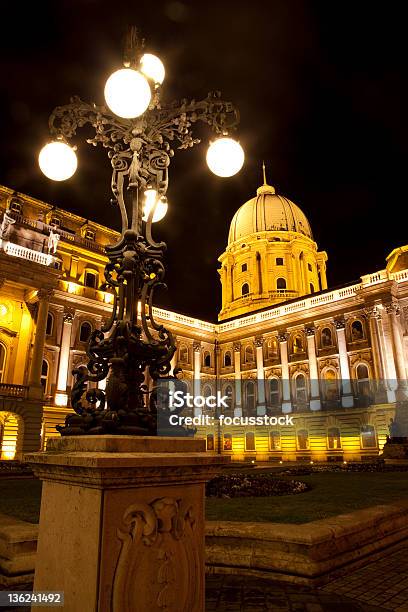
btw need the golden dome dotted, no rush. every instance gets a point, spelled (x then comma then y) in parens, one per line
(268, 212)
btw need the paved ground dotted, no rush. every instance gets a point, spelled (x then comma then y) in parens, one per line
(382, 583)
(242, 594)
(380, 586)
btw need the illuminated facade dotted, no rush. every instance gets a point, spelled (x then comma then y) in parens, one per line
(334, 359)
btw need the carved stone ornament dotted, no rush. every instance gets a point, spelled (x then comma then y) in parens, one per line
(68, 315)
(158, 565)
(340, 323)
(392, 308)
(310, 331)
(44, 295)
(283, 336)
(259, 340)
(196, 347)
(237, 346)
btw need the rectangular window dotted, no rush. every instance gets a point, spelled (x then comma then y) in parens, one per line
(250, 441)
(210, 442)
(244, 267)
(274, 441)
(309, 267)
(227, 442)
(279, 261)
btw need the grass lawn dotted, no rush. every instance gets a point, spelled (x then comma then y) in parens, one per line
(332, 493)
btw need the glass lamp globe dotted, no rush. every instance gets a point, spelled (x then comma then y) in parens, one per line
(161, 208)
(58, 161)
(127, 93)
(225, 157)
(152, 67)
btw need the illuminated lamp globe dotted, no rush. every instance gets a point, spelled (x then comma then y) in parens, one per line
(127, 93)
(58, 161)
(225, 157)
(161, 208)
(152, 67)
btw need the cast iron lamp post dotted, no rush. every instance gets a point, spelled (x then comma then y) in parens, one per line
(139, 133)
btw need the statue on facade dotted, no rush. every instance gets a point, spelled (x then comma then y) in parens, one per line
(53, 240)
(5, 226)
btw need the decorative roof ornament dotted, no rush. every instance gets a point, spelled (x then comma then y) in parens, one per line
(265, 188)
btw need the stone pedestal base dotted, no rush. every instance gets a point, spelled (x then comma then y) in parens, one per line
(122, 522)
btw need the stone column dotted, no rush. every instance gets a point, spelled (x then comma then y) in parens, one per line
(261, 406)
(231, 283)
(61, 394)
(322, 274)
(238, 383)
(122, 522)
(398, 352)
(381, 393)
(197, 374)
(286, 401)
(315, 403)
(347, 399)
(35, 388)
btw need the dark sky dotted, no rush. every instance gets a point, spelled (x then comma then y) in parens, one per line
(322, 93)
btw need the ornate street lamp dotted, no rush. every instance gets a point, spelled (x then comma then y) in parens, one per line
(139, 134)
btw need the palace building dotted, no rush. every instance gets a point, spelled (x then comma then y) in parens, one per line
(334, 359)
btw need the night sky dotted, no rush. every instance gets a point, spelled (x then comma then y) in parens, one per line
(322, 93)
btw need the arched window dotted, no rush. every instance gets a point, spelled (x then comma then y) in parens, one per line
(2, 361)
(271, 348)
(249, 354)
(281, 283)
(363, 383)
(183, 353)
(44, 375)
(227, 442)
(228, 393)
(274, 391)
(326, 337)
(207, 391)
(303, 439)
(333, 438)
(50, 324)
(301, 389)
(207, 359)
(85, 331)
(357, 330)
(250, 396)
(368, 437)
(330, 389)
(250, 441)
(227, 359)
(245, 289)
(274, 441)
(210, 442)
(311, 288)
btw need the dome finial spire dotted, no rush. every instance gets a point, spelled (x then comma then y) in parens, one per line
(264, 173)
(265, 188)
